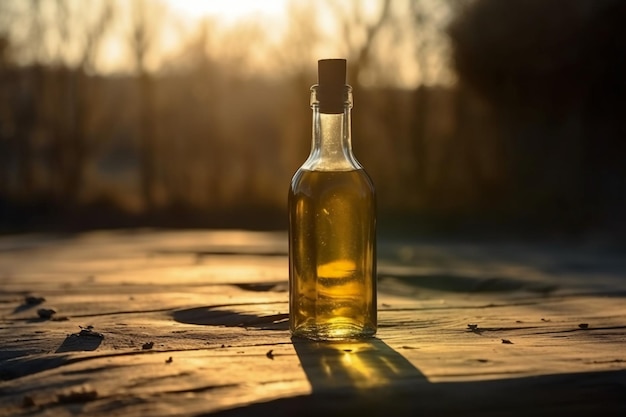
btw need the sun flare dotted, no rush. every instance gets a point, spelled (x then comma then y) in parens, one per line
(227, 10)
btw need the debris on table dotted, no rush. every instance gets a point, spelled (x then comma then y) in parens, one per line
(77, 396)
(147, 346)
(28, 401)
(33, 300)
(46, 313)
(88, 332)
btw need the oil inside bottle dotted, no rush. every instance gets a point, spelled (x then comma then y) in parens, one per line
(333, 265)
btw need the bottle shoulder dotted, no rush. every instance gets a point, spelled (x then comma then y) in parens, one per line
(354, 180)
(335, 162)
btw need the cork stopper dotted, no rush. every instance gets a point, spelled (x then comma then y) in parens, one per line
(331, 75)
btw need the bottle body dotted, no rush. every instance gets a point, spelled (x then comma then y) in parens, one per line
(332, 255)
(332, 225)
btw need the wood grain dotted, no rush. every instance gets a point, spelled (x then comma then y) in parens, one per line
(195, 323)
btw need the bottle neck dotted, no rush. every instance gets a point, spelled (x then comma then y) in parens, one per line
(331, 148)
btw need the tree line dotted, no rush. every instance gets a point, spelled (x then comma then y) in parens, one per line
(205, 138)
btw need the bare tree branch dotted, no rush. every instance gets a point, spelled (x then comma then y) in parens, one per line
(353, 21)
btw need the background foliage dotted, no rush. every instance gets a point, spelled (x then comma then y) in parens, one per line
(471, 116)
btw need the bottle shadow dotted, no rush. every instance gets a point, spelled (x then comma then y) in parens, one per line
(359, 376)
(369, 378)
(217, 316)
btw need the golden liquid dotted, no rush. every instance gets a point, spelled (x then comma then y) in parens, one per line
(332, 255)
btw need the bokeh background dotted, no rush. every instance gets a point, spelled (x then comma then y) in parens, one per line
(473, 117)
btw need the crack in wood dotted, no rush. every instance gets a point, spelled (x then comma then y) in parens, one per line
(201, 389)
(588, 329)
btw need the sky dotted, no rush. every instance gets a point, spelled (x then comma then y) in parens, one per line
(228, 10)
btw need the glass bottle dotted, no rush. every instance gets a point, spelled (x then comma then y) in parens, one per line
(332, 224)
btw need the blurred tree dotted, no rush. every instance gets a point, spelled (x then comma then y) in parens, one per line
(428, 21)
(296, 56)
(359, 32)
(89, 23)
(144, 25)
(5, 111)
(554, 74)
(26, 87)
(54, 102)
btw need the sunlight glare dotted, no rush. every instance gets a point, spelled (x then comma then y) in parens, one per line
(229, 11)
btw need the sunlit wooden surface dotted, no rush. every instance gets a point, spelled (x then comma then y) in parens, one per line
(152, 323)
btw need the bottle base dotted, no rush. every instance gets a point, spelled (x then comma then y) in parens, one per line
(333, 332)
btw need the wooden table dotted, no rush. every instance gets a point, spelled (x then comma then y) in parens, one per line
(160, 323)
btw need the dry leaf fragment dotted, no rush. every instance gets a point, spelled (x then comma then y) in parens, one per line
(28, 401)
(77, 396)
(88, 332)
(33, 300)
(46, 313)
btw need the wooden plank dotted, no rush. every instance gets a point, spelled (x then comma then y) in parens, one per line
(195, 323)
